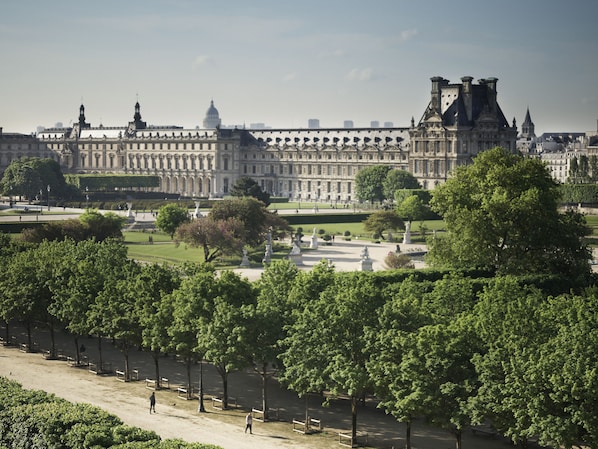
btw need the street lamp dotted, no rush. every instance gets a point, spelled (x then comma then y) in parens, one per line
(48, 197)
(87, 196)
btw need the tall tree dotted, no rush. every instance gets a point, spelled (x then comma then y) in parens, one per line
(170, 217)
(398, 180)
(246, 186)
(369, 183)
(28, 175)
(191, 302)
(336, 358)
(271, 316)
(153, 286)
(502, 213)
(224, 332)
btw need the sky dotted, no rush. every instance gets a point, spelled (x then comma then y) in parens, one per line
(282, 62)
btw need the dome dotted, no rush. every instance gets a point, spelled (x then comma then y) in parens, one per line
(212, 119)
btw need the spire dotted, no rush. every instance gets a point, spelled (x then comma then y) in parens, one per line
(137, 122)
(527, 127)
(82, 123)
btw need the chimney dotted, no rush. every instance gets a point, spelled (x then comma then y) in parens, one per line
(467, 96)
(491, 90)
(437, 82)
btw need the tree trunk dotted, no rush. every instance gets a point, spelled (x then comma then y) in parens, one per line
(126, 354)
(264, 375)
(77, 352)
(354, 418)
(53, 340)
(189, 385)
(225, 390)
(29, 337)
(156, 356)
(100, 361)
(408, 435)
(458, 439)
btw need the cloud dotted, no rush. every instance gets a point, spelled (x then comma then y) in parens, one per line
(407, 35)
(361, 74)
(201, 61)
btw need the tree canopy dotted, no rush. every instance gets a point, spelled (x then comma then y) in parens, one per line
(398, 180)
(170, 217)
(27, 176)
(501, 213)
(368, 183)
(246, 186)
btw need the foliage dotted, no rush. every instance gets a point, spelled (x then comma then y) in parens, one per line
(215, 237)
(578, 193)
(170, 217)
(252, 213)
(501, 213)
(398, 180)
(34, 419)
(109, 183)
(394, 261)
(246, 186)
(28, 176)
(383, 220)
(412, 208)
(368, 183)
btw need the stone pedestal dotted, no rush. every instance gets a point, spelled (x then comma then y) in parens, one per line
(314, 240)
(245, 260)
(407, 234)
(365, 264)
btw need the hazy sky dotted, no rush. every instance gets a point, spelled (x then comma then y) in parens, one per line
(282, 62)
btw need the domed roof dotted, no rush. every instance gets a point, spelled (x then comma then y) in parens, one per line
(212, 119)
(212, 111)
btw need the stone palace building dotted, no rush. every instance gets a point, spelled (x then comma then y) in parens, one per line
(320, 164)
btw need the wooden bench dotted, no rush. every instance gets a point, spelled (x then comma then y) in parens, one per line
(305, 427)
(182, 393)
(346, 439)
(120, 375)
(218, 403)
(152, 384)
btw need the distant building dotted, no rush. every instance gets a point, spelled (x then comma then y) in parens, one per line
(389, 124)
(348, 124)
(313, 123)
(460, 121)
(526, 141)
(374, 124)
(212, 120)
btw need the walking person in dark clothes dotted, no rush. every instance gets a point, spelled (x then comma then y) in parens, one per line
(248, 422)
(152, 399)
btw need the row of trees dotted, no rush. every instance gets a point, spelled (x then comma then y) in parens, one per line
(455, 351)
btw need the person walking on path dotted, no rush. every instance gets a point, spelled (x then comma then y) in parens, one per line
(248, 422)
(152, 399)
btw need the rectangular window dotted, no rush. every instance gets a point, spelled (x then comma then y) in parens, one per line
(348, 187)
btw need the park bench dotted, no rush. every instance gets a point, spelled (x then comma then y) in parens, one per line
(346, 439)
(152, 384)
(306, 427)
(120, 375)
(218, 403)
(182, 393)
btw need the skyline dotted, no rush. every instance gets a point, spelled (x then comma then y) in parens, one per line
(282, 64)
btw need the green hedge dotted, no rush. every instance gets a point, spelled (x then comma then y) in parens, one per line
(301, 219)
(579, 193)
(96, 183)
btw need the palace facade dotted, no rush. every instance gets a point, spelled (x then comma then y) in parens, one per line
(460, 121)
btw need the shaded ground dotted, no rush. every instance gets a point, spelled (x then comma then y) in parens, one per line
(178, 418)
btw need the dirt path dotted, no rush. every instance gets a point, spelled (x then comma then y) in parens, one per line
(172, 420)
